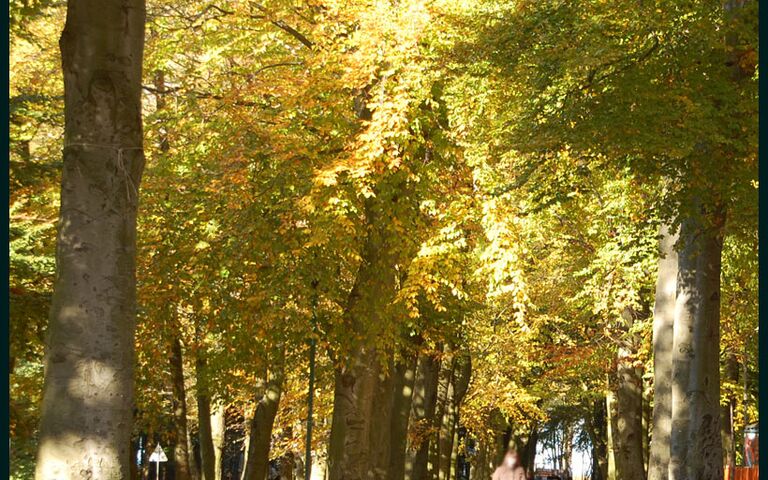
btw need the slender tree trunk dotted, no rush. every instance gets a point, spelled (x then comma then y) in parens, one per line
(731, 371)
(263, 421)
(610, 410)
(218, 430)
(87, 408)
(405, 376)
(205, 434)
(663, 321)
(597, 429)
(627, 419)
(422, 414)
(459, 385)
(647, 420)
(481, 465)
(287, 466)
(180, 449)
(441, 451)
(696, 446)
(567, 447)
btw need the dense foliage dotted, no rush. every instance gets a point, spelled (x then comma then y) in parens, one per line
(508, 163)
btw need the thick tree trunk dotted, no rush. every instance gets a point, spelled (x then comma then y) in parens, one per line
(663, 321)
(422, 413)
(405, 376)
(87, 409)
(181, 458)
(263, 421)
(367, 317)
(380, 434)
(696, 448)
(355, 387)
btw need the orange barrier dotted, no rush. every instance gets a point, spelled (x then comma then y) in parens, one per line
(742, 473)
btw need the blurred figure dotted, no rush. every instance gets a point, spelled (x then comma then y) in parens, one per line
(510, 468)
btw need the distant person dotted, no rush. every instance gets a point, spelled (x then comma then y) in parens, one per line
(510, 468)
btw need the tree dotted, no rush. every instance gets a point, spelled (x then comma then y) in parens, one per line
(88, 394)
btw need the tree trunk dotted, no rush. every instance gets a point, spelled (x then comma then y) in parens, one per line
(441, 451)
(567, 448)
(696, 448)
(527, 451)
(480, 468)
(355, 387)
(263, 421)
(380, 434)
(422, 413)
(726, 415)
(181, 460)
(405, 376)
(460, 384)
(367, 316)
(218, 430)
(205, 434)
(610, 411)
(627, 419)
(647, 420)
(596, 427)
(663, 321)
(87, 408)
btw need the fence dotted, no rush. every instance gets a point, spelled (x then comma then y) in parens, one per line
(742, 473)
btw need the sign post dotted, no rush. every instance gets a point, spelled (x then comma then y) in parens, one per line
(158, 456)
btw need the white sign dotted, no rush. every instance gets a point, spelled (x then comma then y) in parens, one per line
(158, 455)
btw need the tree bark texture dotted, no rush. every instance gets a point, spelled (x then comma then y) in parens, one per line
(87, 408)
(367, 315)
(663, 322)
(695, 444)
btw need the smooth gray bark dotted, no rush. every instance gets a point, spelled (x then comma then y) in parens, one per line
(663, 322)
(696, 448)
(87, 408)
(218, 429)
